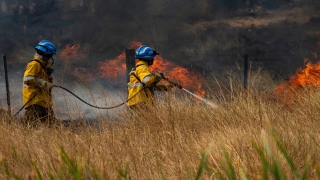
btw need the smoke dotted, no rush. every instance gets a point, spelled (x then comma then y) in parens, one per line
(209, 37)
(65, 105)
(69, 107)
(296, 15)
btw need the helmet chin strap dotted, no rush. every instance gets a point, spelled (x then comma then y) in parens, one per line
(46, 58)
(50, 63)
(39, 56)
(150, 62)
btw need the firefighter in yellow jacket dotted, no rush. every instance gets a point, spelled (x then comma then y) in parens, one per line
(37, 85)
(142, 82)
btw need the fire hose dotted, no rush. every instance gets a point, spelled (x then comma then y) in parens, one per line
(112, 107)
(180, 87)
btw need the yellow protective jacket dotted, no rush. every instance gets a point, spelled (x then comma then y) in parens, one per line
(141, 76)
(34, 78)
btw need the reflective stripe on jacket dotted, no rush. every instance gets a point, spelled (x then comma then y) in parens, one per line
(135, 85)
(33, 78)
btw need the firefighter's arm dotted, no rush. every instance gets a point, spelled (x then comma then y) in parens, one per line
(30, 77)
(152, 79)
(146, 76)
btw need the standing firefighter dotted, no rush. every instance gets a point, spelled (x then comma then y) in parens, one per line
(37, 85)
(142, 82)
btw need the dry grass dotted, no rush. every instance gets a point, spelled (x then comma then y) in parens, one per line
(167, 142)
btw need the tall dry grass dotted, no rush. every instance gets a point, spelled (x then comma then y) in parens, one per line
(181, 138)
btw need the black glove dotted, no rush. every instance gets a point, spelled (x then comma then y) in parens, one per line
(169, 87)
(157, 77)
(50, 79)
(49, 85)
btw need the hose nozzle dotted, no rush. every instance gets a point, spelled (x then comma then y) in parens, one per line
(162, 75)
(176, 85)
(172, 83)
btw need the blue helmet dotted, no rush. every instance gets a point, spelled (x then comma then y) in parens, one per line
(146, 53)
(47, 47)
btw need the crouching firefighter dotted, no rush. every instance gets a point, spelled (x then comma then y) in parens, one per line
(37, 85)
(142, 82)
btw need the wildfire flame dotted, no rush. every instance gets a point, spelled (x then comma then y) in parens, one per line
(309, 76)
(179, 74)
(74, 52)
(71, 52)
(114, 68)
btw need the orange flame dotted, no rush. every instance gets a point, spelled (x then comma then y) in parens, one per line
(113, 68)
(179, 74)
(307, 77)
(74, 52)
(310, 76)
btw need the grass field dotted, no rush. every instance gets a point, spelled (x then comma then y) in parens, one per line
(249, 136)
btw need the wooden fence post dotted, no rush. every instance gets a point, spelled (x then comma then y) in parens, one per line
(7, 84)
(130, 61)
